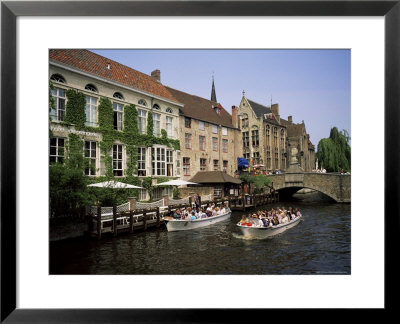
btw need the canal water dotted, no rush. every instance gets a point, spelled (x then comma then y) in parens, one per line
(319, 244)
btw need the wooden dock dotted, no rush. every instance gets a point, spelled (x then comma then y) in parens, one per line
(245, 202)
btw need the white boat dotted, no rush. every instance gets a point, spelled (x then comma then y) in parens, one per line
(186, 224)
(261, 232)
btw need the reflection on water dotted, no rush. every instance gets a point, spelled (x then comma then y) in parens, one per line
(319, 244)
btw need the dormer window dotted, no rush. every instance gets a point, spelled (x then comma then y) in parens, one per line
(58, 78)
(91, 87)
(108, 66)
(118, 95)
(157, 107)
(169, 110)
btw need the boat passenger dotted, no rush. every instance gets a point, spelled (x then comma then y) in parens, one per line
(223, 211)
(265, 222)
(260, 222)
(244, 219)
(284, 219)
(275, 220)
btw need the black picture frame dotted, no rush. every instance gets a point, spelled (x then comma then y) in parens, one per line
(10, 10)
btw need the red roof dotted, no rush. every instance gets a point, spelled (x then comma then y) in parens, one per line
(92, 63)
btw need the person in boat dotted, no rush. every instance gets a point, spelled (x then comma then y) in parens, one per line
(275, 220)
(197, 200)
(260, 222)
(177, 214)
(297, 212)
(284, 219)
(244, 219)
(265, 221)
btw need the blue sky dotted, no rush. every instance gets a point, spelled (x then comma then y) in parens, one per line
(310, 85)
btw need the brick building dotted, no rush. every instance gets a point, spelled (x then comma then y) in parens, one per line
(209, 137)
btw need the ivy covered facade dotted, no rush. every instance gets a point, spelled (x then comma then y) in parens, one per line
(122, 132)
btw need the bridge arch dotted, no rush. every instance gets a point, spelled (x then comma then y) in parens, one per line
(333, 185)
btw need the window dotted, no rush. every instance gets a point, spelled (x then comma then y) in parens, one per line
(188, 141)
(216, 165)
(91, 87)
(203, 164)
(168, 110)
(58, 112)
(224, 131)
(170, 163)
(178, 163)
(276, 159)
(254, 138)
(168, 126)
(142, 102)
(283, 161)
(156, 107)
(225, 145)
(256, 156)
(91, 111)
(214, 129)
(246, 156)
(90, 155)
(142, 121)
(282, 138)
(141, 161)
(158, 161)
(275, 136)
(225, 166)
(201, 125)
(118, 95)
(118, 111)
(57, 78)
(142, 194)
(188, 122)
(246, 139)
(57, 150)
(268, 159)
(245, 122)
(202, 143)
(186, 166)
(117, 161)
(215, 144)
(156, 124)
(267, 134)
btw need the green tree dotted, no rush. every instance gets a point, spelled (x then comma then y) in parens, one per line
(334, 152)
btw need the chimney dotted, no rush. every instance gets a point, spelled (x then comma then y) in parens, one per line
(275, 111)
(290, 119)
(235, 116)
(156, 75)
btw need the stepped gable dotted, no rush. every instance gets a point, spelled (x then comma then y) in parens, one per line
(105, 68)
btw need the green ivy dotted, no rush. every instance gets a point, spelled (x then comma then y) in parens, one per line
(75, 109)
(150, 124)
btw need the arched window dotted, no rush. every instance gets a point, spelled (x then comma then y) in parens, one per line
(118, 95)
(58, 78)
(169, 110)
(91, 87)
(142, 102)
(157, 107)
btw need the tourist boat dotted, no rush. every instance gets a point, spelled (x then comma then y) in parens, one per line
(260, 232)
(186, 224)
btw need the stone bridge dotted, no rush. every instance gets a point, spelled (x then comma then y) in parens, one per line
(334, 185)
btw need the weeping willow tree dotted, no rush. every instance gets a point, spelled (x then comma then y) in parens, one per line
(334, 152)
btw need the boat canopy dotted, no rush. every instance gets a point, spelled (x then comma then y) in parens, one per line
(242, 163)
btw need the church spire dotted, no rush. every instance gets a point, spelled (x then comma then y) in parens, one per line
(213, 95)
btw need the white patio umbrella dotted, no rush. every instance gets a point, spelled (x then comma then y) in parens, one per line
(114, 185)
(176, 182)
